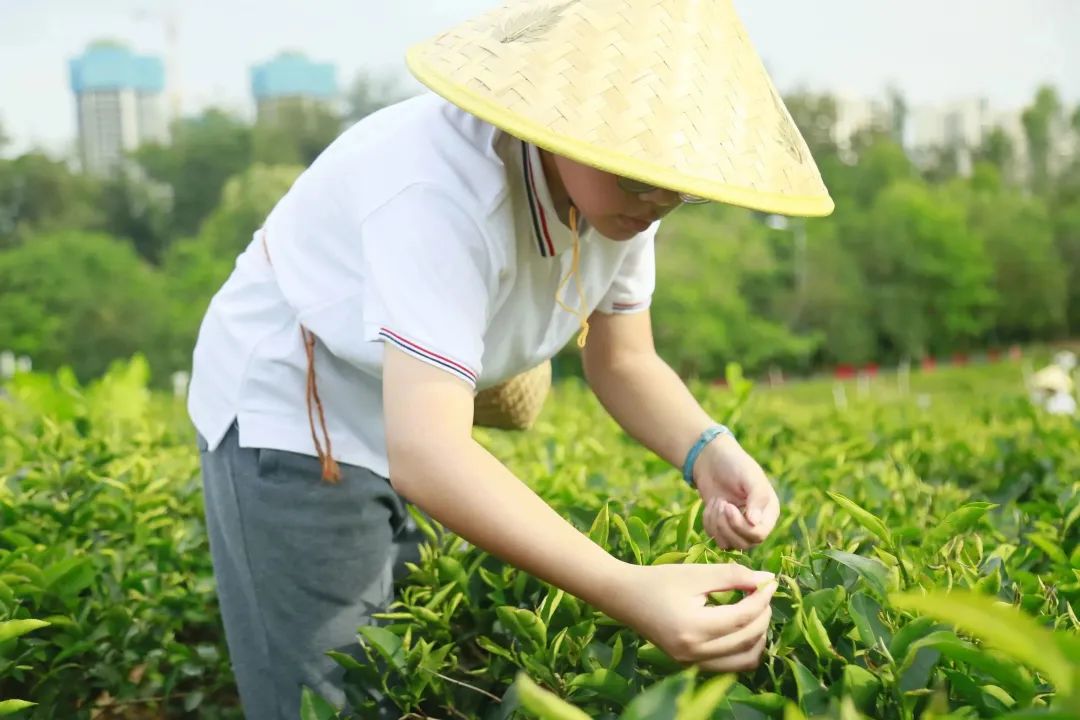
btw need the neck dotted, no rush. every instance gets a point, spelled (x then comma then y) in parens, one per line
(559, 196)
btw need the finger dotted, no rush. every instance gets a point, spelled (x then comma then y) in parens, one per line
(736, 527)
(710, 522)
(726, 619)
(730, 576)
(760, 494)
(743, 662)
(749, 535)
(739, 641)
(723, 535)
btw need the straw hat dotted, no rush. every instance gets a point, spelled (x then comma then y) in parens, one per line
(667, 92)
(1053, 379)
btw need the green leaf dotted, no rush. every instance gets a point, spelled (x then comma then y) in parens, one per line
(659, 702)
(640, 534)
(866, 614)
(313, 707)
(1049, 547)
(1011, 676)
(792, 712)
(862, 685)
(686, 524)
(635, 549)
(812, 694)
(606, 683)
(649, 654)
(868, 520)
(826, 602)
(525, 625)
(708, 698)
(9, 707)
(668, 558)
(14, 628)
(70, 576)
(424, 524)
(347, 661)
(909, 633)
(998, 625)
(544, 704)
(598, 533)
(870, 570)
(386, 643)
(193, 700)
(958, 522)
(818, 636)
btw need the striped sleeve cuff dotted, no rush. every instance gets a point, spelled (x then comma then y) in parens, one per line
(625, 308)
(428, 356)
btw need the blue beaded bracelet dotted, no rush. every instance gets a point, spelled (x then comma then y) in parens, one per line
(691, 457)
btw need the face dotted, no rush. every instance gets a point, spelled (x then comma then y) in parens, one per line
(615, 213)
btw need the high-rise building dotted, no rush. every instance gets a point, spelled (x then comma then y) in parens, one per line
(119, 103)
(291, 79)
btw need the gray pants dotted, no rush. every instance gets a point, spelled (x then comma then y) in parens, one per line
(299, 565)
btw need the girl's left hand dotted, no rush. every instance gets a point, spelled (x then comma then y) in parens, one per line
(741, 506)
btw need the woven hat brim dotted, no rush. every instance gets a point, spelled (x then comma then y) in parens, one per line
(603, 158)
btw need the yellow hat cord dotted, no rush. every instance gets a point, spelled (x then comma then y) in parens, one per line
(583, 316)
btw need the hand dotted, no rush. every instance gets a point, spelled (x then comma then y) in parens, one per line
(666, 605)
(741, 507)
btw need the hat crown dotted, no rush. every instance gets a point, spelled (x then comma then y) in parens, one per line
(669, 92)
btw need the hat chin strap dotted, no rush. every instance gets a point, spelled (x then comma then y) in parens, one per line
(582, 314)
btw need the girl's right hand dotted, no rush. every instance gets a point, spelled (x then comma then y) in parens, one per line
(666, 605)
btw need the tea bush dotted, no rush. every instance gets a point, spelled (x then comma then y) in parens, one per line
(927, 550)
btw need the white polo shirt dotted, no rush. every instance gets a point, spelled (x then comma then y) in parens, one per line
(420, 226)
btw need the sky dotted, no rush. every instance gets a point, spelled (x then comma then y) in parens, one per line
(934, 51)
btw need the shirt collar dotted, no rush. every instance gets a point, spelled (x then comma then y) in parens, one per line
(551, 236)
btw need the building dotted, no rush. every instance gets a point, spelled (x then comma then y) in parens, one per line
(854, 115)
(291, 79)
(119, 103)
(962, 127)
(958, 127)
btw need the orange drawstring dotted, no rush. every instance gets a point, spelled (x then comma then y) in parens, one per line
(331, 471)
(574, 271)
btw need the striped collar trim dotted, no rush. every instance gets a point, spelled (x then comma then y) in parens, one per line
(550, 234)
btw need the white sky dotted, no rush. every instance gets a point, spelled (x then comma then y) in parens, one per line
(934, 50)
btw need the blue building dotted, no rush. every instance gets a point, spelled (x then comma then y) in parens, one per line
(119, 103)
(292, 78)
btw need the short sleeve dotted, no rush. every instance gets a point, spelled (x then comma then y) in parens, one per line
(429, 280)
(632, 289)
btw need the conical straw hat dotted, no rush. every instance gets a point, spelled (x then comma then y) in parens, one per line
(667, 92)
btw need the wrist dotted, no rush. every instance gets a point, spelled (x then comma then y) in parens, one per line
(618, 591)
(714, 437)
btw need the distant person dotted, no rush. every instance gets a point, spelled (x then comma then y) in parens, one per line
(1052, 388)
(447, 244)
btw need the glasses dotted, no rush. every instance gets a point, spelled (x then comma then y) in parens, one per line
(635, 187)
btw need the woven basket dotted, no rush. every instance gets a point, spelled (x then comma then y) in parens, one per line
(516, 403)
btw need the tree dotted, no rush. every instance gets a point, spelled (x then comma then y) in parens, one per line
(369, 93)
(79, 299)
(140, 210)
(708, 262)
(205, 152)
(997, 150)
(927, 274)
(1029, 276)
(5, 140)
(296, 135)
(816, 118)
(39, 194)
(1041, 123)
